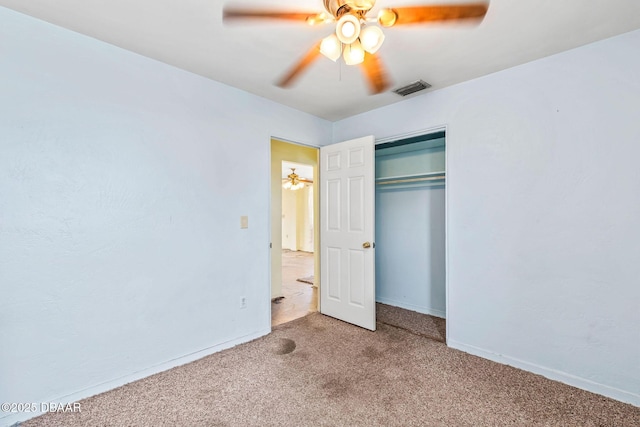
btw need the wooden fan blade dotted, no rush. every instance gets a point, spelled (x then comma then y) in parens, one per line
(375, 73)
(310, 17)
(302, 65)
(432, 13)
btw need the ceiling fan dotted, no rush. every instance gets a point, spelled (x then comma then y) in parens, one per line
(294, 182)
(356, 37)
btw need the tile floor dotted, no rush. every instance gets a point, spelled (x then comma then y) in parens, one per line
(299, 298)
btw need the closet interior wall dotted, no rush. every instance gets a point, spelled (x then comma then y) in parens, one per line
(410, 224)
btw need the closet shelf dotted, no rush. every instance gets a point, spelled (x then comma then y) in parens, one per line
(404, 179)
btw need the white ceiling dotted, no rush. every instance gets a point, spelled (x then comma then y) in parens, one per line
(189, 34)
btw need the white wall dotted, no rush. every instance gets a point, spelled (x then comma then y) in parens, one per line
(304, 219)
(297, 219)
(543, 182)
(122, 181)
(289, 219)
(410, 248)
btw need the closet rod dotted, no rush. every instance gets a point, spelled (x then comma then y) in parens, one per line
(402, 181)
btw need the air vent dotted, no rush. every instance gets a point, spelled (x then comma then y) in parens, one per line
(412, 88)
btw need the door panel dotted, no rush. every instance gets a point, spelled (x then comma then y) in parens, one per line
(347, 180)
(333, 277)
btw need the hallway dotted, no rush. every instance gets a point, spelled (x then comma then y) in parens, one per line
(300, 298)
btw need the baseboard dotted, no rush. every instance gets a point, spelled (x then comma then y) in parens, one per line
(552, 374)
(13, 418)
(420, 309)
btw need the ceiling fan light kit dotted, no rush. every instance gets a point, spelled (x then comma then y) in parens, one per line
(354, 39)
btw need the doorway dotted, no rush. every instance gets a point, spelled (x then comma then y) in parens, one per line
(411, 229)
(294, 231)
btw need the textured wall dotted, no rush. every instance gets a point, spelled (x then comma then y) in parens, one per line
(122, 183)
(543, 204)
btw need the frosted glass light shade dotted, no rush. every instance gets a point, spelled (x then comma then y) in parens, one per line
(353, 54)
(348, 29)
(331, 47)
(371, 38)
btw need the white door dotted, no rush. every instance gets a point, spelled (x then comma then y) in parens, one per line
(347, 261)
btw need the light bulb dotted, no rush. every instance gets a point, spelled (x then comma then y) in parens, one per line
(353, 54)
(331, 47)
(348, 29)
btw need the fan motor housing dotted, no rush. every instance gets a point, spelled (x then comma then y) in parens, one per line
(338, 7)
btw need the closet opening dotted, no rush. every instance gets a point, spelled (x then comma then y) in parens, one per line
(410, 226)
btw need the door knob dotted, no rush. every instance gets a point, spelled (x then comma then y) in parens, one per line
(366, 245)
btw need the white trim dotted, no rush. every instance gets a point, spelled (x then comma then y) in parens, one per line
(412, 134)
(552, 374)
(270, 227)
(446, 232)
(290, 141)
(417, 308)
(118, 382)
(269, 234)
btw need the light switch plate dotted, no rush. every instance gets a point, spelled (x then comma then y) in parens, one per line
(244, 221)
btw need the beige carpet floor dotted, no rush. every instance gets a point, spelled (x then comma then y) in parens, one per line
(417, 323)
(318, 371)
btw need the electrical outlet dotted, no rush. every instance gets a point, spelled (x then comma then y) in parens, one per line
(243, 302)
(244, 221)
